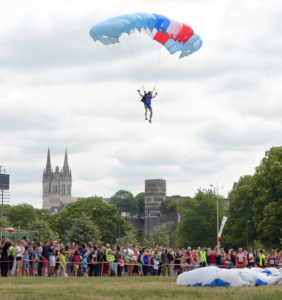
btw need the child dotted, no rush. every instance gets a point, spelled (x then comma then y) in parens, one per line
(25, 263)
(76, 262)
(35, 260)
(84, 264)
(62, 260)
(126, 262)
(156, 261)
(120, 265)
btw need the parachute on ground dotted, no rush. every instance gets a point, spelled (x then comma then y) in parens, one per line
(213, 276)
(173, 35)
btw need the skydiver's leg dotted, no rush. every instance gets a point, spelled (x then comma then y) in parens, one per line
(151, 114)
(146, 111)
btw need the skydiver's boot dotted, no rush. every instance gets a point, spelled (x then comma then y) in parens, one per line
(150, 121)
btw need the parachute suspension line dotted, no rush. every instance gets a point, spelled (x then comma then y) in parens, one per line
(125, 56)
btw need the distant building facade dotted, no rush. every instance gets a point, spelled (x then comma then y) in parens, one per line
(57, 185)
(155, 194)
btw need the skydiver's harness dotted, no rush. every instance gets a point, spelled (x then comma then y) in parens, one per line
(145, 95)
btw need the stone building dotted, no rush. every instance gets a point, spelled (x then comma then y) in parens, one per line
(155, 193)
(57, 185)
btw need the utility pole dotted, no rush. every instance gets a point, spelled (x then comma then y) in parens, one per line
(217, 198)
(247, 235)
(119, 213)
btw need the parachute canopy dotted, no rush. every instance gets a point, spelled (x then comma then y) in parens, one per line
(213, 276)
(173, 35)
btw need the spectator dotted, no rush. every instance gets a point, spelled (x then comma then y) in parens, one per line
(203, 257)
(211, 257)
(132, 258)
(52, 257)
(45, 258)
(240, 258)
(251, 259)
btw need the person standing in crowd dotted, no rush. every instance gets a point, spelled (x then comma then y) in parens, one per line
(85, 264)
(211, 257)
(203, 257)
(40, 249)
(251, 258)
(116, 250)
(5, 257)
(26, 263)
(261, 258)
(132, 259)
(156, 263)
(272, 258)
(100, 260)
(35, 259)
(177, 262)
(121, 264)
(110, 259)
(76, 262)
(45, 259)
(62, 261)
(126, 262)
(12, 259)
(92, 260)
(146, 261)
(240, 258)
(52, 257)
(218, 256)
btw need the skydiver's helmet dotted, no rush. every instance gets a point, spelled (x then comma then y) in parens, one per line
(149, 93)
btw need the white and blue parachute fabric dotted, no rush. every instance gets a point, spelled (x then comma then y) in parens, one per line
(173, 35)
(213, 277)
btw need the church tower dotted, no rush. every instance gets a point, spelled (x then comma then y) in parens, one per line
(56, 185)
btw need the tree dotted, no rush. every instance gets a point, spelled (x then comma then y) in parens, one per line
(140, 203)
(104, 215)
(267, 193)
(159, 237)
(83, 230)
(43, 228)
(198, 219)
(21, 215)
(129, 238)
(168, 206)
(4, 222)
(240, 211)
(126, 201)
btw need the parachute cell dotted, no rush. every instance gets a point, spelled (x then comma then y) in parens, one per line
(173, 35)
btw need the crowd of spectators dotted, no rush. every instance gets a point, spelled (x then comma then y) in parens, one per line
(26, 258)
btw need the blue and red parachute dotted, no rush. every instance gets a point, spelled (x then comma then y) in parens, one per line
(173, 35)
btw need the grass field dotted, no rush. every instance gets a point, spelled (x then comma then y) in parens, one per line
(124, 288)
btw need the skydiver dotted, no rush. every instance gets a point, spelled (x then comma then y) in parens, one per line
(146, 98)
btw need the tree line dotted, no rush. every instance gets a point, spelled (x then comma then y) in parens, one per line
(256, 200)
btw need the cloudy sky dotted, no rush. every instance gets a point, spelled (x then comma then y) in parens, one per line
(216, 113)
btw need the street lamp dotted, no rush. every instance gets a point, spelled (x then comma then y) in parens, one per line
(247, 236)
(119, 213)
(216, 188)
(64, 223)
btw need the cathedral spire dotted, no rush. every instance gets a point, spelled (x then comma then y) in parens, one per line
(66, 169)
(48, 164)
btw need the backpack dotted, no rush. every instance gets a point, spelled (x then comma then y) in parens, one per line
(144, 98)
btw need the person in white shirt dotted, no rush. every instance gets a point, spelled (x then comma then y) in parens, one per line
(132, 258)
(19, 255)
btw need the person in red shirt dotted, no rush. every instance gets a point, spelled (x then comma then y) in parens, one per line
(211, 257)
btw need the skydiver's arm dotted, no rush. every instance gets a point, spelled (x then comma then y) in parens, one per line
(140, 93)
(155, 95)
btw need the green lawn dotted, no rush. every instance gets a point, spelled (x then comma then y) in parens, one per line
(124, 288)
